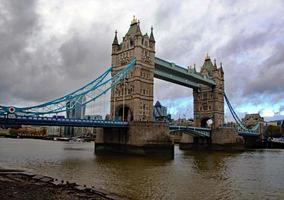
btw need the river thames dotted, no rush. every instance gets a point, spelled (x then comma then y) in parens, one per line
(256, 174)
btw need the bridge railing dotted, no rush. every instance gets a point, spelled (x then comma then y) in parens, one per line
(55, 121)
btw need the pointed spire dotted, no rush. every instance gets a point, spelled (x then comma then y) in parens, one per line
(152, 39)
(115, 41)
(207, 57)
(194, 68)
(221, 68)
(215, 65)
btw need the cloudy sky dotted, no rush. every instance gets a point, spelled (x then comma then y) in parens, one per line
(51, 47)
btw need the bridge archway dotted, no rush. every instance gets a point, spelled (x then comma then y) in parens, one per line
(124, 113)
(206, 122)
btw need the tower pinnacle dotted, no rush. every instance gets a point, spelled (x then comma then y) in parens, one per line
(134, 20)
(207, 57)
(115, 41)
(152, 39)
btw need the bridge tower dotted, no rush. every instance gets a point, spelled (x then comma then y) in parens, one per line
(132, 99)
(209, 102)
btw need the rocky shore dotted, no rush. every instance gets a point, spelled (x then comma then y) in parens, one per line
(16, 185)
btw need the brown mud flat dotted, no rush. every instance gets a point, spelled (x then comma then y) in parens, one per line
(16, 185)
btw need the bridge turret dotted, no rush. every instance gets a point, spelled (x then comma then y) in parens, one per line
(133, 98)
(209, 102)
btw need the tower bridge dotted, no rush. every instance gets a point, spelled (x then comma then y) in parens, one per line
(132, 129)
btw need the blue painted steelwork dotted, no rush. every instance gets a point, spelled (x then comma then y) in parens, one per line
(52, 121)
(91, 92)
(241, 128)
(198, 131)
(176, 74)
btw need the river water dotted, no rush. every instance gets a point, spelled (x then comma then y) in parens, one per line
(257, 174)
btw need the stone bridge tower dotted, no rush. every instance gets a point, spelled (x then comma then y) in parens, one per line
(209, 102)
(132, 99)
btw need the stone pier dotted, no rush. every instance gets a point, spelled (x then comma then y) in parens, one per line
(221, 139)
(141, 138)
(190, 141)
(226, 139)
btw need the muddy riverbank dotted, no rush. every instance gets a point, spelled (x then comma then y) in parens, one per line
(17, 184)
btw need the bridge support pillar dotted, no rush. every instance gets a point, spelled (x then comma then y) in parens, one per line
(189, 141)
(143, 138)
(226, 139)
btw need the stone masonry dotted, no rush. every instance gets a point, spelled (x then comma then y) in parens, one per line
(209, 102)
(132, 99)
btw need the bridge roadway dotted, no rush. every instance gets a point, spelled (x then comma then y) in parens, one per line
(198, 131)
(53, 121)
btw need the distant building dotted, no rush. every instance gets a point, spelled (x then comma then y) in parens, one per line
(160, 112)
(4, 131)
(183, 122)
(251, 120)
(275, 123)
(55, 130)
(77, 111)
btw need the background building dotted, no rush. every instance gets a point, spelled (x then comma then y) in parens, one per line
(160, 113)
(77, 112)
(250, 120)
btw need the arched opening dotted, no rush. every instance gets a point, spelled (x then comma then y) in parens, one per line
(206, 123)
(124, 114)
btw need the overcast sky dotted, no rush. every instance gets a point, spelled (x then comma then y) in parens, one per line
(51, 47)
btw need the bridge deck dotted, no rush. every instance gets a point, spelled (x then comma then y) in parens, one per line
(199, 131)
(49, 121)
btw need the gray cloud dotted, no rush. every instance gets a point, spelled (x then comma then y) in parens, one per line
(38, 64)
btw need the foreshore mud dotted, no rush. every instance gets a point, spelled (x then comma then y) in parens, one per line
(17, 184)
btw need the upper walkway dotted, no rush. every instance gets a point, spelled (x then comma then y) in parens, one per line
(173, 73)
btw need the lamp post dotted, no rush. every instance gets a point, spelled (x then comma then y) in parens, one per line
(113, 115)
(123, 100)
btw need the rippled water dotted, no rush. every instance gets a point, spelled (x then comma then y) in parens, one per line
(255, 174)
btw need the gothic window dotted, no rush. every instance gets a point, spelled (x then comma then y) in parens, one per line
(131, 42)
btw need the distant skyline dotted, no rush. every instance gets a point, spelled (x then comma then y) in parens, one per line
(49, 48)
